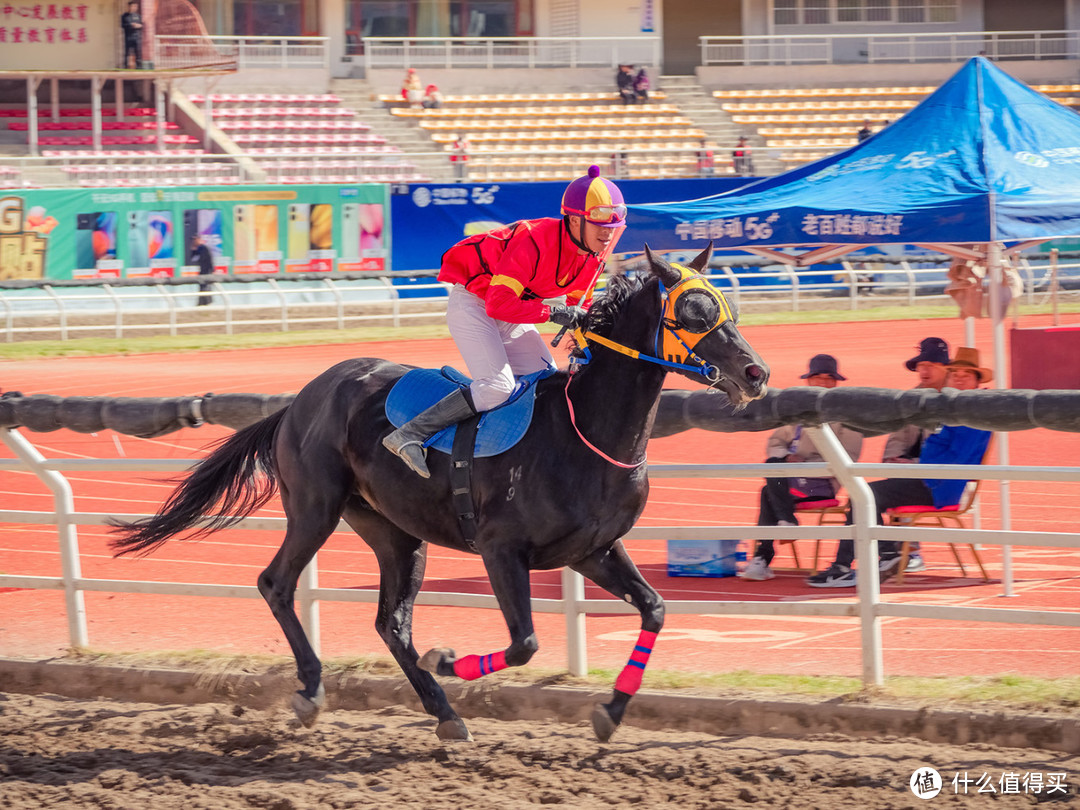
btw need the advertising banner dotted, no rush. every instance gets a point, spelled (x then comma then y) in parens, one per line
(444, 214)
(138, 233)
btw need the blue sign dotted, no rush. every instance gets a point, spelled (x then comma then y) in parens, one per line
(429, 218)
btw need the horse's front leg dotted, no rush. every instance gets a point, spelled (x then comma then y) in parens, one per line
(614, 571)
(508, 573)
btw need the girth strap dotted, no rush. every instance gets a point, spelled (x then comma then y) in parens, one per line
(461, 462)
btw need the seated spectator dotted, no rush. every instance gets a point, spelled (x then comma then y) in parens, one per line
(949, 444)
(865, 132)
(965, 373)
(433, 99)
(790, 444)
(624, 80)
(641, 86)
(742, 160)
(412, 90)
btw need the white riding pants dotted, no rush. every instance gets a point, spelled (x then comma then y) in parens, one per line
(494, 351)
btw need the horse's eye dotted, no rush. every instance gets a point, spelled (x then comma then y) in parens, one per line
(697, 311)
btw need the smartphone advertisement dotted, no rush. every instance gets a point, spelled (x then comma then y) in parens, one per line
(143, 233)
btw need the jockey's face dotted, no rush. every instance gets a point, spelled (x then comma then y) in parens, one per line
(597, 237)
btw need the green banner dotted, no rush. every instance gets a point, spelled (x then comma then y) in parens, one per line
(143, 232)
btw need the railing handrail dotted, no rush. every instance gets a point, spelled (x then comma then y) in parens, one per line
(867, 605)
(883, 35)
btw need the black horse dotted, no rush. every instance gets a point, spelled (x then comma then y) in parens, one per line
(563, 496)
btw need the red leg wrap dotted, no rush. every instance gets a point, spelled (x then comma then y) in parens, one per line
(629, 680)
(472, 667)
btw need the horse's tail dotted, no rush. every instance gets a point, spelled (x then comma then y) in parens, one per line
(229, 475)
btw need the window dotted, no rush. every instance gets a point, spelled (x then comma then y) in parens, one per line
(437, 18)
(828, 12)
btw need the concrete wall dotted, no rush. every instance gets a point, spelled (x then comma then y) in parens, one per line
(715, 78)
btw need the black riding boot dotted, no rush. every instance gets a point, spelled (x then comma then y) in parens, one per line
(407, 441)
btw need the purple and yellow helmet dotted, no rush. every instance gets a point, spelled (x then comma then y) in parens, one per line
(596, 198)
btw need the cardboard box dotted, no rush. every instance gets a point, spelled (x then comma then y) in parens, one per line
(703, 558)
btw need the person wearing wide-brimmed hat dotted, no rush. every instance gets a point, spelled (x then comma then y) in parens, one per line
(791, 444)
(965, 373)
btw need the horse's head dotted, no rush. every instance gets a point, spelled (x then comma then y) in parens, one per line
(698, 329)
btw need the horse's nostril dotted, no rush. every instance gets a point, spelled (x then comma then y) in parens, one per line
(754, 372)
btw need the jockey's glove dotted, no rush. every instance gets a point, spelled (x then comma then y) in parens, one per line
(569, 317)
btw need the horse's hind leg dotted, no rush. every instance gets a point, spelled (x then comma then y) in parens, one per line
(402, 559)
(614, 571)
(313, 514)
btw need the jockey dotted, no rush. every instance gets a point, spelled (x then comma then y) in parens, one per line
(501, 279)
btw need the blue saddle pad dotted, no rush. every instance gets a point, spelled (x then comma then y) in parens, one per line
(500, 428)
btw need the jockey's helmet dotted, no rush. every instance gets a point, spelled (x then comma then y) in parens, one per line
(596, 199)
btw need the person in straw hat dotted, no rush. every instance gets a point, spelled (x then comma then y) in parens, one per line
(965, 373)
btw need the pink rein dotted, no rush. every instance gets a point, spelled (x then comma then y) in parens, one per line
(589, 444)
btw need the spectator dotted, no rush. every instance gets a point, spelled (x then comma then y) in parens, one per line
(200, 255)
(433, 99)
(789, 444)
(641, 86)
(706, 162)
(131, 22)
(412, 90)
(965, 373)
(624, 79)
(742, 158)
(865, 132)
(949, 444)
(459, 156)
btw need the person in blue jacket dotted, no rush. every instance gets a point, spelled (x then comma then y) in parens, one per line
(949, 444)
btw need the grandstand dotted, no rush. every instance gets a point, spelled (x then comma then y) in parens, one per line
(806, 123)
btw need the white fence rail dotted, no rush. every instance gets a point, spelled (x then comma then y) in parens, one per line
(509, 52)
(815, 49)
(867, 605)
(123, 310)
(185, 51)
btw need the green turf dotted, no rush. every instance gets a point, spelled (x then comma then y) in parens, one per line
(978, 692)
(29, 350)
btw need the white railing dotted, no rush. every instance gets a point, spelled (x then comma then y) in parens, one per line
(867, 605)
(175, 52)
(284, 303)
(828, 49)
(509, 52)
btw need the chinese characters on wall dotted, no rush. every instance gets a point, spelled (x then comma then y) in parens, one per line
(43, 24)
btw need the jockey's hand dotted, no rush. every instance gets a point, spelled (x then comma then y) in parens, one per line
(568, 317)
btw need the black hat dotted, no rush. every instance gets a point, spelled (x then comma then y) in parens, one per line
(823, 364)
(931, 350)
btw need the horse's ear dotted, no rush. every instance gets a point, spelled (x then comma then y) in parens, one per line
(701, 261)
(660, 268)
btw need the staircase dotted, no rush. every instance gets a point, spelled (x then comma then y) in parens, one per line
(699, 106)
(359, 95)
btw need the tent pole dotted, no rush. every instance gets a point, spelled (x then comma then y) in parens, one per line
(994, 267)
(969, 331)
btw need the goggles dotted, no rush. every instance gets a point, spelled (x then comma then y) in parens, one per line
(602, 214)
(693, 308)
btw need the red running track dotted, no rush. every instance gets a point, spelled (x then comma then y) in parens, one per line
(32, 623)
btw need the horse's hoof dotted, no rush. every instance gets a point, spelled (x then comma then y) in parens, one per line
(602, 723)
(430, 660)
(307, 709)
(453, 730)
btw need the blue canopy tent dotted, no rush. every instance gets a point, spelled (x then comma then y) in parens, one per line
(982, 166)
(983, 159)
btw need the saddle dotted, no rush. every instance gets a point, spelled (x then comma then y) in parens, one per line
(499, 429)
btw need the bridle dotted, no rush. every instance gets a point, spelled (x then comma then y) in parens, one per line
(690, 310)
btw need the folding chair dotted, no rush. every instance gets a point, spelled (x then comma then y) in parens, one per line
(943, 518)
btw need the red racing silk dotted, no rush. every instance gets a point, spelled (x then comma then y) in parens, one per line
(515, 267)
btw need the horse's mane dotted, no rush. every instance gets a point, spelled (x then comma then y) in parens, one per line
(610, 303)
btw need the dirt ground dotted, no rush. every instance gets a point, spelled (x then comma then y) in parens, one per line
(64, 752)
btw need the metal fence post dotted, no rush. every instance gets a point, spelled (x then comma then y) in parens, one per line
(867, 584)
(64, 503)
(573, 592)
(309, 605)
